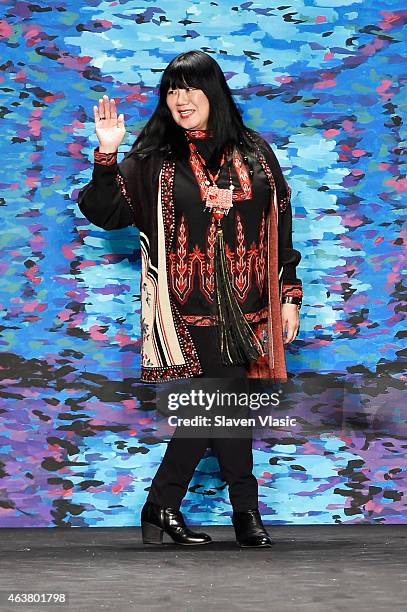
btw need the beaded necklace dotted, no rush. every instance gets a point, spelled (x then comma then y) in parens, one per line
(216, 199)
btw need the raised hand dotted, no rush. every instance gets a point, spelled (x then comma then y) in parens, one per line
(110, 128)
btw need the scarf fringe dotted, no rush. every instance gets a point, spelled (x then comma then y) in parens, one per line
(238, 343)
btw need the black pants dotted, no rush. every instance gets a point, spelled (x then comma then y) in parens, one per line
(183, 454)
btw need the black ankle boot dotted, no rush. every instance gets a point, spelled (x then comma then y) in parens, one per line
(156, 519)
(249, 529)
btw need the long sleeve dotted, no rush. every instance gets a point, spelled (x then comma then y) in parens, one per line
(105, 200)
(289, 257)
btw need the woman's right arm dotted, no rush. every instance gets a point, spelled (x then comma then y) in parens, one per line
(105, 200)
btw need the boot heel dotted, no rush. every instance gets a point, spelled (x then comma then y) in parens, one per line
(151, 534)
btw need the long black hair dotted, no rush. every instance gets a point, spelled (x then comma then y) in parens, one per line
(199, 70)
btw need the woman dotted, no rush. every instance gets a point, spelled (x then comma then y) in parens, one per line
(218, 280)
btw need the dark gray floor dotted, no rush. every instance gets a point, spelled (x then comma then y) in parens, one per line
(353, 568)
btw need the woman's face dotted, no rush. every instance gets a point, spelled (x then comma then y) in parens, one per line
(189, 108)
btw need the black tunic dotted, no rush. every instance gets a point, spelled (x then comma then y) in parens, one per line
(245, 234)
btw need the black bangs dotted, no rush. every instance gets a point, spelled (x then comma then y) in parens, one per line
(191, 69)
(178, 77)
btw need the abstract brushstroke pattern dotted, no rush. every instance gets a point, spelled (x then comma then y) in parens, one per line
(323, 82)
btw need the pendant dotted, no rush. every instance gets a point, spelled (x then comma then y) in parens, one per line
(220, 199)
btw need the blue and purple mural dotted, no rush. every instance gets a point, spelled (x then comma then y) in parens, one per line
(322, 80)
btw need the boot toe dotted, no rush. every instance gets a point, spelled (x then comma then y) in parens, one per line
(200, 538)
(262, 541)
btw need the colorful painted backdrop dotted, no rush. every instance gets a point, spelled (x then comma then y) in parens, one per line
(322, 80)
